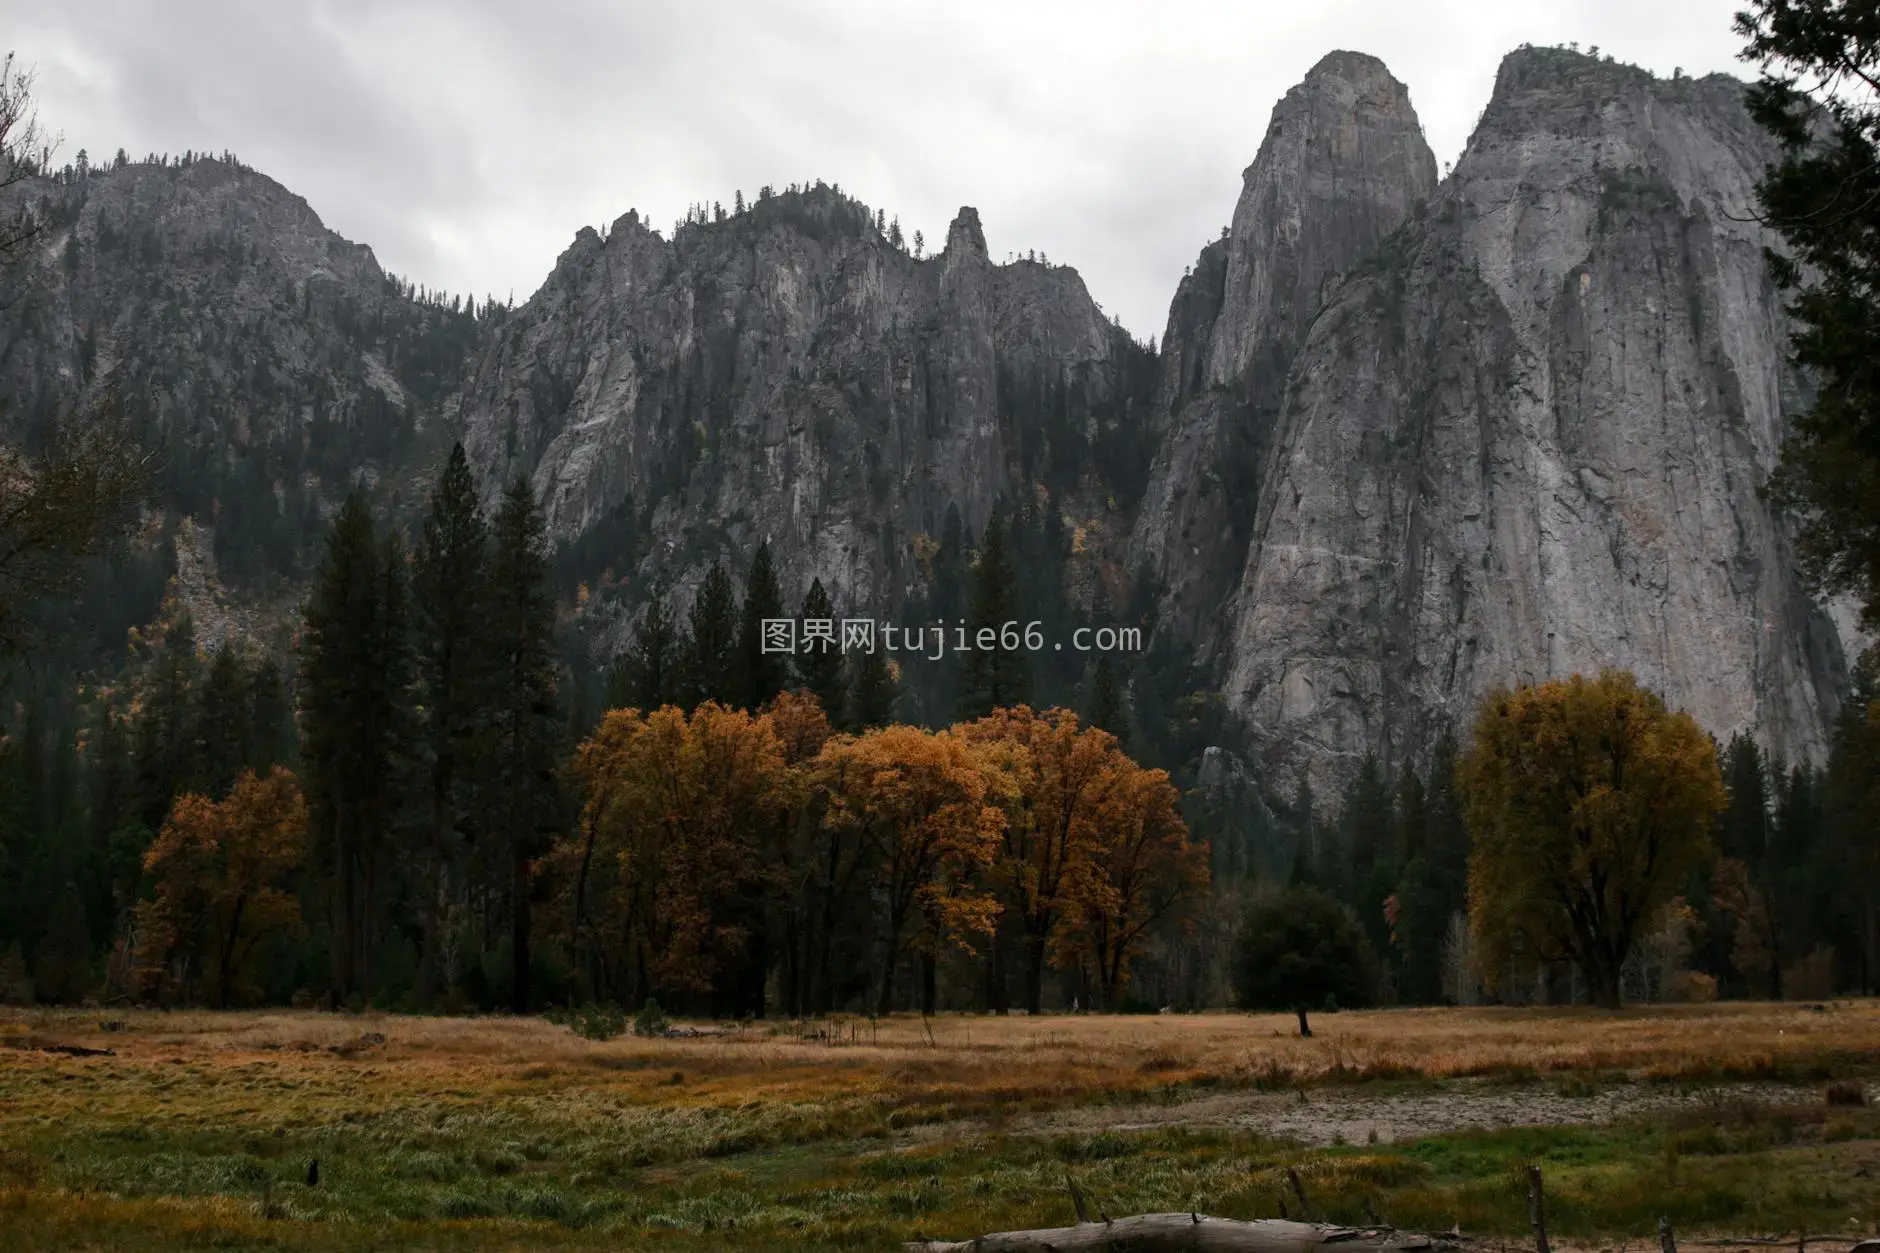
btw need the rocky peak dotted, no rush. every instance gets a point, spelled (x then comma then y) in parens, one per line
(1343, 164)
(964, 236)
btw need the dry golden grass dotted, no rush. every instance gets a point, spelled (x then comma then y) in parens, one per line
(505, 1132)
(960, 1057)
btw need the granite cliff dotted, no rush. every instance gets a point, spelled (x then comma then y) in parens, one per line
(1525, 437)
(789, 374)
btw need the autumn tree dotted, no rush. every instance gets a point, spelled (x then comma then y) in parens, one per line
(918, 802)
(1144, 871)
(222, 877)
(668, 831)
(1059, 778)
(1589, 802)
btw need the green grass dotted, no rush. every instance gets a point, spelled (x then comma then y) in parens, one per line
(459, 1180)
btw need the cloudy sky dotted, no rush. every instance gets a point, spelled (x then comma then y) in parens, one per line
(468, 141)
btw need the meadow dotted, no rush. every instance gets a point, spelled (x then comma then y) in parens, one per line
(148, 1130)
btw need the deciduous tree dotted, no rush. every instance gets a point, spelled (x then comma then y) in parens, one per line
(1589, 803)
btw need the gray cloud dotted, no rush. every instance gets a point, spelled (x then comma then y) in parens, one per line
(467, 142)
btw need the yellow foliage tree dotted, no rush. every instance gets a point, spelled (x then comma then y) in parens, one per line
(221, 872)
(1588, 803)
(1055, 782)
(1143, 871)
(917, 803)
(672, 829)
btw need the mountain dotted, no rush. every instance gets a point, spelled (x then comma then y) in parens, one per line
(790, 374)
(1343, 164)
(274, 361)
(1405, 439)
(1525, 437)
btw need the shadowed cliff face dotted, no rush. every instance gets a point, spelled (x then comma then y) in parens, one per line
(1524, 439)
(788, 375)
(1343, 164)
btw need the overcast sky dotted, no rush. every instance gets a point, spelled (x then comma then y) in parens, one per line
(467, 142)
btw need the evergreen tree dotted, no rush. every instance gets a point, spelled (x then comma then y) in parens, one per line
(1106, 701)
(271, 718)
(451, 597)
(997, 677)
(711, 670)
(871, 691)
(524, 710)
(166, 720)
(762, 674)
(224, 732)
(63, 974)
(648, 675)
(1367, 834)
(819, 666)
(355, 659)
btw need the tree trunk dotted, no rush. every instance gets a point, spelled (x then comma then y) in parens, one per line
(1305, 1028)
(1034, 973)
(929, 984)
(996, 999)
(1152, 1233)
(427, 961)
(519, 929)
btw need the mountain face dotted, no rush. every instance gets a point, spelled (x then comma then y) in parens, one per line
(1525, 437)
(1343, 164)
(788, 375)
(1404, 441)
(274, 362)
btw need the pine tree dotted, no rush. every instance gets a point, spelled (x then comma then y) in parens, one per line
(224, 732)
(997, 677)
(524, 709)
(1106, 701)
(871, 692)
(712, 642)
(761, 674)
(451, 595)
(271, 718)
(166, 720)
(819, 667)
(648, 675)
(353, 690)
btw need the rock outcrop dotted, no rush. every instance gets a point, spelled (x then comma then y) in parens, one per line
(788, 374)
(1525, 439)
(1343, 164)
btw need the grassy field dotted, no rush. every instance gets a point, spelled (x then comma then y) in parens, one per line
(196, 1130)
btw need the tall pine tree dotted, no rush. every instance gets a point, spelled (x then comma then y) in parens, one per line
(353, 689)
(524, 710)
(451, 597)
(761, 674)
(650, 673)
(818, 665)
(997, 677)
(712, 642)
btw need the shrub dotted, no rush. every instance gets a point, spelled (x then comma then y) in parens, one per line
(1846, 1094)
(651, 1020)
(598, 1022)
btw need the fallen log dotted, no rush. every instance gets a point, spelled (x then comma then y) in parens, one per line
(1153, 1233)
